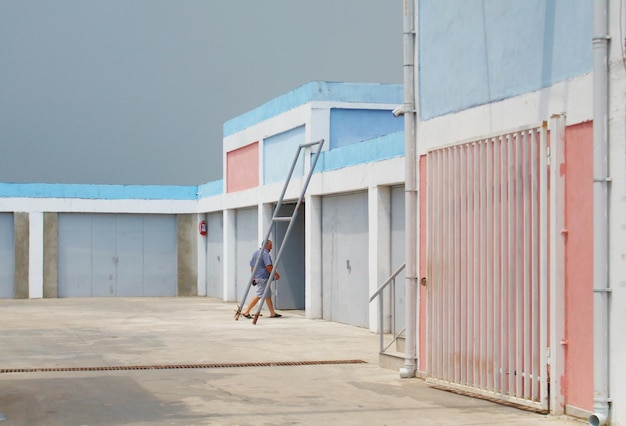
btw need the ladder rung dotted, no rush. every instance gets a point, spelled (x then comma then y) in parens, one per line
(282, 219)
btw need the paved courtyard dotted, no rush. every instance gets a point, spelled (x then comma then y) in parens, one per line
(186, 361)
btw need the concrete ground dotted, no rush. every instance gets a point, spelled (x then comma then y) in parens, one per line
(232, 372)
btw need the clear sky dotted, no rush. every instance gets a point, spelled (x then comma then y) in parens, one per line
(137, 91)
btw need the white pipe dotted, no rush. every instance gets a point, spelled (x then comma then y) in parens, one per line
(410, 188)
(601, 180)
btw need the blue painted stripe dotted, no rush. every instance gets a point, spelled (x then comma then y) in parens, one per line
(317, 91)
(98, 192)
(377, 149)
(212, 188)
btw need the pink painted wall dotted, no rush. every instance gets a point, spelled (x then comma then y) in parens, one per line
(579, 265)
(242, 168)
(422, 258)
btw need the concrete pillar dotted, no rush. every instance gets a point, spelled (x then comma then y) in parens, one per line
(313, 251)
(187, 254)
(21, 232)
(50, 255)
(379, 202)
(230, 255)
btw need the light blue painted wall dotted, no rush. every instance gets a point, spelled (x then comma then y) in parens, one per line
(377, 149)
(473, 52)
(348, 126)
(211, 188)
(99, 192)
(278, 154)
(317, 91)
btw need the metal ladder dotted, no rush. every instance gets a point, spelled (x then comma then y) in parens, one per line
(275, 219)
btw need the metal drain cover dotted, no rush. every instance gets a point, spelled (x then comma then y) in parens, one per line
(180, 366)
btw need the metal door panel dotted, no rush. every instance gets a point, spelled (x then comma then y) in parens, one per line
(130, 255)
(160, 256)
(290, 287)
(7, 256)
(103, 260)
(247, 242)
(345, 258)
(74, 255)
(215, 247)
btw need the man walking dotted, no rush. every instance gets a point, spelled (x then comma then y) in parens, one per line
(261, 277)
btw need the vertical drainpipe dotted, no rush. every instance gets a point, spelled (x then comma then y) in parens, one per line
(410, 188)
(601, 288)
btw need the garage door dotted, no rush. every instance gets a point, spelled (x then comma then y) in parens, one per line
(345, 258)
(117, 255)
(215, 250)
(7, 255)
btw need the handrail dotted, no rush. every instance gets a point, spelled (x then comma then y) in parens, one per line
(386, 283)
(379, 293)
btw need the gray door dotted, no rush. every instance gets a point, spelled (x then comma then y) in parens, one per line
(397, 252)
(77, 251)
(160, 259)
(345, 259)
(130, 255)
(215, 250)
(290, 287)
(247, 243)
(7, 256)
(103, 255)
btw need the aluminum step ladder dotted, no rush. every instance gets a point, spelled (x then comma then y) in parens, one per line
(275, 218)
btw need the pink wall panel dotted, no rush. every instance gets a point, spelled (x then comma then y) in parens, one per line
(579, 265)
(242, 168)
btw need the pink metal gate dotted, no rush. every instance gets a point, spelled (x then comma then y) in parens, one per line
(487, 266)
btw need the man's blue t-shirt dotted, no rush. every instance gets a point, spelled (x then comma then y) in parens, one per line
(261, 271)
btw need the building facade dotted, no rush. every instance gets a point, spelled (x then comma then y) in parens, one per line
(521, 187)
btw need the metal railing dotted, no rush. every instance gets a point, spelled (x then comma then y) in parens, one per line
(391, 281)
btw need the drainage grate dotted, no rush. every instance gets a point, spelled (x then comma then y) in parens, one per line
(180, 366)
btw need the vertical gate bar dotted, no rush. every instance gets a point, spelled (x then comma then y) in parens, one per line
(463, 262)
(470, 264)
(519, 263)
(445, 312)
(489, 231)
(432, 204)
(543, 264)
(430, 230)
(511, 280)
(536, 349)
(483, 265)
(449, 232)
(457, 266)
(485, 270)
(439, 283)
(442, 256)
(480, 260)
(476, 283)
(504, 215)
(481, 279)
(526, 276)
(497, 282)
(557, 282)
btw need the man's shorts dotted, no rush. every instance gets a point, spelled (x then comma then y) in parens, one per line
(260, 286)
